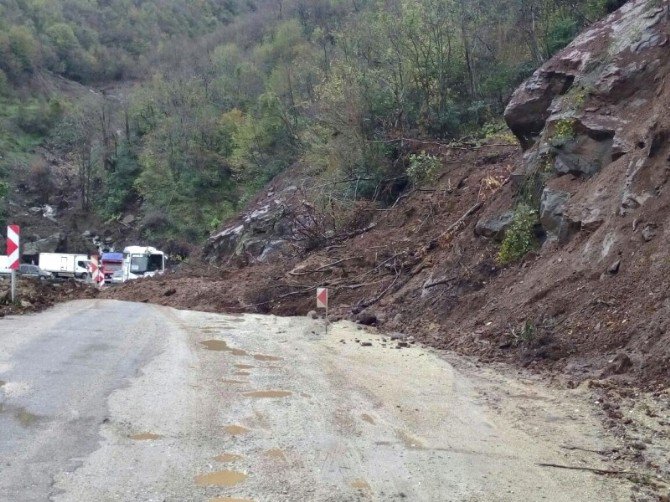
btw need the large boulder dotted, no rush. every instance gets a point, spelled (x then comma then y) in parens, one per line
(494, 227)
(552, 206)
(597, 103)
(50, 244)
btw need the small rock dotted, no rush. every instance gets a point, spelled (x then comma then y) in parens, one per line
(366, 344)
(170, 292)
(402, 345)
(614, 267)
(649, 232)
(398, 336)
(312, 314)
(367, 319)
(619, 365)
(25, 304)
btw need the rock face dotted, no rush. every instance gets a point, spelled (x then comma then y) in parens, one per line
(593, 109)
(258, 235)
(495, 226)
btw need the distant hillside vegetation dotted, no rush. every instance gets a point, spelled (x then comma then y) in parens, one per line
(197, 104)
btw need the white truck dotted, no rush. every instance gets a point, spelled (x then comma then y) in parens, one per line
(141, 261)
(65, 265)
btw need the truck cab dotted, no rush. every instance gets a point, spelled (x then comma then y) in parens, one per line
(139, 261)
(111, 263)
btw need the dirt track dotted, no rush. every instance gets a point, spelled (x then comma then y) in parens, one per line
(195, 406)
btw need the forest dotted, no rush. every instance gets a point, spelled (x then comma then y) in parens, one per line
(182, 110)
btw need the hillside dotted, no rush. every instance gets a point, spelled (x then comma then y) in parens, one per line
(157, 121)
(582, 207)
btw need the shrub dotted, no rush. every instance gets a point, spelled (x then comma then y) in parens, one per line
(423, 168)
(520, 236)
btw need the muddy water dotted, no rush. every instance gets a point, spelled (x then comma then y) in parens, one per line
(263, 357)
(410, 441)
(229, 499)
(368, 419)
(236, 430)
(220, 478)
(222, 346)
(146, 436)
(361, 484)
(275, 454)
(268, 394)
(228, 457)
(25, 418)
(244, 366)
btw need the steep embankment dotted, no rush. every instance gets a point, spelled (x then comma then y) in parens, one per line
(591, 300)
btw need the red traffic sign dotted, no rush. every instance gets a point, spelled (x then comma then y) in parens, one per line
(322, 298)
(13, 245)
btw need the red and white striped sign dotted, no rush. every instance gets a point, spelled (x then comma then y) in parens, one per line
(13, 253)
(322, 298)
(96, 274)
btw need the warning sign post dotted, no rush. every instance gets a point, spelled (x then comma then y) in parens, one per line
(13, 254)
(322, 302)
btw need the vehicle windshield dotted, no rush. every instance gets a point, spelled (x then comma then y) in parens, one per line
(139, 264)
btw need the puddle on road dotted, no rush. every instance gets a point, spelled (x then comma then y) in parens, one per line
(263, 357)
(228, 457)
(244, 366)
(410, 441)
(2, 383)
(222, 346)
(265, 394)
(229, 499)
(146, 436)
(361, 484)
(234, 381)
(275, 454)
(220, 478)
(25, 418)
(368, 419)
(241, 373)
(236, 430)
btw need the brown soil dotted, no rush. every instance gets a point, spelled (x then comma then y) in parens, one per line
(35, 296)
(419, 274)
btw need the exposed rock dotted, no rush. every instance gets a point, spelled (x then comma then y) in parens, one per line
(618, 366)
(47, 245)
(613, 269)
(552, 206)
(366, 319)
(649, 232)
(495, 227)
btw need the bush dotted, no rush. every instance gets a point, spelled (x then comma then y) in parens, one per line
(423, 169)
(520, 236)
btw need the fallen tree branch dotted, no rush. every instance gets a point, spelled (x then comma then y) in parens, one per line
(439, 282)
(325, 267)
(588, 469)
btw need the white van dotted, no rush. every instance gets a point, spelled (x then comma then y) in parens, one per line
(65, 265)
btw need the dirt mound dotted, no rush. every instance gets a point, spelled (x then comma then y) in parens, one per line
(35, 296)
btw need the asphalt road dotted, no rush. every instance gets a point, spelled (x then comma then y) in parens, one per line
(110, 401)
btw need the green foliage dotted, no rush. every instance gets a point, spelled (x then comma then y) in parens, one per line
(423, 169)
(232, 92)
(520, 236)
(563, 131)
(525, 334)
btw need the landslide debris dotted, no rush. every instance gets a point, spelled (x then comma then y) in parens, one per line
(594, 166)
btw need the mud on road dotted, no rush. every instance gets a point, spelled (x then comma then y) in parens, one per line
(152, 403)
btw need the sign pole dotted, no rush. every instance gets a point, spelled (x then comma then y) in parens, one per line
(13, 254)
(322, 302)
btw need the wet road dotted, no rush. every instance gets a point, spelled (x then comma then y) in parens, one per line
(111, 401)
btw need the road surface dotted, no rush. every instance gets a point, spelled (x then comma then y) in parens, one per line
(111, 401)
